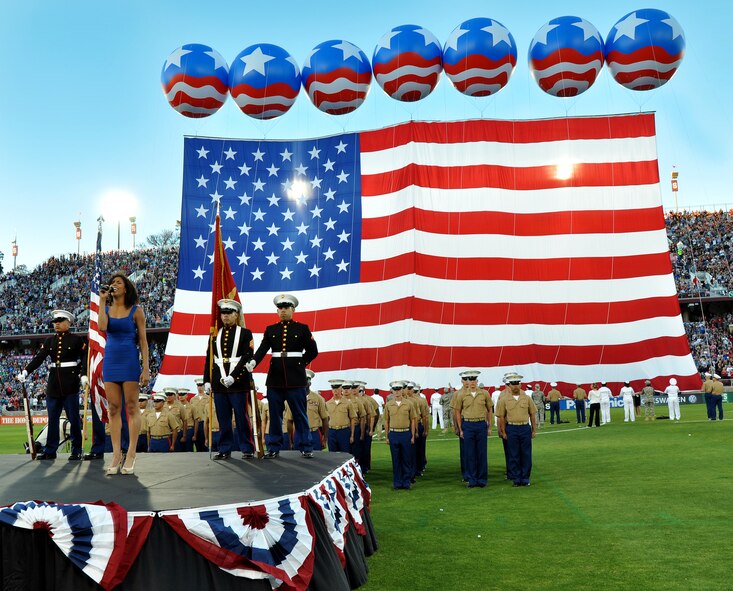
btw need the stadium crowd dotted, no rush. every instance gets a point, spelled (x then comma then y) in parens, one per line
(701, 252)
(64, 282)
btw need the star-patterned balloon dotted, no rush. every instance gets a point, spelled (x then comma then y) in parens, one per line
(336, 76)
(645, 48)
(565, 56)
(264, 81)
(195, 80)
(407, 63)
(479, 57)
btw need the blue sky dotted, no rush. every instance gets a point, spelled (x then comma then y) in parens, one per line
(82, 112)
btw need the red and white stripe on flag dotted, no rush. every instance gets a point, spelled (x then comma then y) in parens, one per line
(97, 341)
(538, 246)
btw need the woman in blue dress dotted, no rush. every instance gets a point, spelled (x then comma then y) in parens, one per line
(124, 322)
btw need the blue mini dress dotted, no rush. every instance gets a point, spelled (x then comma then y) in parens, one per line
(121, 356)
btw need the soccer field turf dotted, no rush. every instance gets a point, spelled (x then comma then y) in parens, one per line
(627, 506)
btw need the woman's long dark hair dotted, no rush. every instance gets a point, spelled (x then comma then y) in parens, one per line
(131, 297)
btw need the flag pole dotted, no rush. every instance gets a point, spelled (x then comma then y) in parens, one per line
(28, 422)
(211, 397)
(213, 330)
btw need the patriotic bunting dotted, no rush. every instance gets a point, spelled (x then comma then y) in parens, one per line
(102, 540)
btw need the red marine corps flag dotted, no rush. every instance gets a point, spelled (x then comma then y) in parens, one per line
(223, 286)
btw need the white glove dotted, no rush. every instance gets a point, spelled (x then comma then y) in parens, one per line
(84, 381)
(22, 376)
(227, 381)
(207, 387)
(250, 365)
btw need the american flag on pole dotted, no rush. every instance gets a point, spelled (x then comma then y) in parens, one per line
(97, 338)
(423, 249)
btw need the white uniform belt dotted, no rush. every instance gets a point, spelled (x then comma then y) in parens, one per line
(287, 354)
(65, 364)
(229, 360)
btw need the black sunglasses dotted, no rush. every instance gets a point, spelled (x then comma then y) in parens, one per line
(284, 305)
(514, 383)
(397, 388)
(469, 379)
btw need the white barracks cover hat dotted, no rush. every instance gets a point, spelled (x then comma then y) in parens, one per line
(285, 298)
(62, 314)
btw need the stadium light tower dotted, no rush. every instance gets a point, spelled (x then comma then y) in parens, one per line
(15, 251)
(116, 205)
(675, 186)
(133, 229)
(77, 225)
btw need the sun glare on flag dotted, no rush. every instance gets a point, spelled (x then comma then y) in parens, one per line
(564, 170)
(298, 191)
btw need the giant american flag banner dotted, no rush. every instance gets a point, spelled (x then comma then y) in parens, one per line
(423, 249)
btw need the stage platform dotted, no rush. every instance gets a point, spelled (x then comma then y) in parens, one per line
(185, 521)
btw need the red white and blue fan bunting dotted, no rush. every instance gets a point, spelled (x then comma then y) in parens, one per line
(264, 81)
(336, 75)
(407, 63)
(644, 49)
(332, 506)
(195, 80)
(354, 499)
(479, 57)
(101, 540)
(273, 538)
(354, 471)
(566, 56)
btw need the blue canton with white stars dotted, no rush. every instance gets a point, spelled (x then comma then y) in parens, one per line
(290, 212)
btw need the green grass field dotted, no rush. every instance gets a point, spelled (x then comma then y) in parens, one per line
(627, 506)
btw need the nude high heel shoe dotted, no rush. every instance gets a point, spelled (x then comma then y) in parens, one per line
(114, 468)
(131, 469)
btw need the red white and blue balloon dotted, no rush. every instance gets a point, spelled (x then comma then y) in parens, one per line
(407, 63)
(566, 56)
(479, 57)
(644, 49)
(264, 81)
(336, 75)
(195, 80)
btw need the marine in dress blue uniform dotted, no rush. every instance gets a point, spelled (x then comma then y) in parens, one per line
(67, 353)
(227, 371)
(293, 348)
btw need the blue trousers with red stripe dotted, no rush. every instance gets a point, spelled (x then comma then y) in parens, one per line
(236, 402)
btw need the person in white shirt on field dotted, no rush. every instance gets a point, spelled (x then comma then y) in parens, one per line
(437, 410)
(594, 405)
(605, 394)
(627, 393)
(494, 399)
(673, 399)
